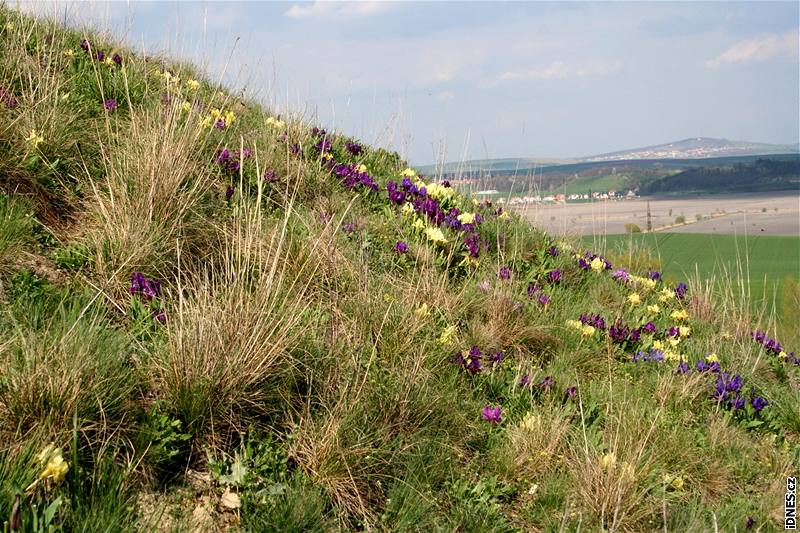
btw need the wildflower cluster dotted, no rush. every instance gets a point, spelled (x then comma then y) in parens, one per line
(8, 99)
(774, 347)
(591, 261)
(472, 361)
(99, 55)
(150, 289)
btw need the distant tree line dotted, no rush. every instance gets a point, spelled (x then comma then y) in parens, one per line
(759, 175)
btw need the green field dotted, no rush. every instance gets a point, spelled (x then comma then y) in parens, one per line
(766, 264)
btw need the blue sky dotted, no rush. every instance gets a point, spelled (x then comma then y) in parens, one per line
(466, 80)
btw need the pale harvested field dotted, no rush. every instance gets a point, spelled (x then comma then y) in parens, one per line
(753, 213)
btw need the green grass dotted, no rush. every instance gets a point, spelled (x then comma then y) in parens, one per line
(294, 371)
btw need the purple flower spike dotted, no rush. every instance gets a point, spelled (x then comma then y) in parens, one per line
(543, 299)
(620, 275)
(554, 276)
(492, 414)
(110, 104)
(532, 289)
(505, 273)
(571, 391)
(229, 193)
(525, 381)
(160, 315)
(758, 403)
(655, 276)
(547, 383)
(116, 58)
(85, 45)
(552, 251)
(401, 247)
(680, 291)
(683, 368)
(750, 522)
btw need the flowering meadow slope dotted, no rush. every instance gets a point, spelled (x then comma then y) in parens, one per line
(215, 318)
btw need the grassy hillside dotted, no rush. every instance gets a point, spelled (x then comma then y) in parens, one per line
(760, 271)
(214, 318)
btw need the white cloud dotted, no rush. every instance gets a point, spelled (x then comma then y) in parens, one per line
(334, 9)
(557, 70)
(762, 48)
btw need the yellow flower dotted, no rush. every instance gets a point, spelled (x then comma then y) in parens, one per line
(34, 139)
(439, 192)
(186, 106)
(407, 209)
(422, 311)
(783, 355)
(634, 299)
(193, 85)
(608, 461)
(418, 225)
(576, 324)
(666, 295)
(409, 173)
(205, 123)
(466, 218)
(447, 335)
(475, 202)
(646, 284)
(684, 331)
(9, 26)
(56, 468)
(672, 356)
(658, 345)
(680, 314)
(712, 358)
(587, 330)
(230, 118)
(387, 297)
(362, 168)
(435, 235)
(275, 123)
(653, 309)
(503, 215)
(216, 113)
(69, 52)
(674, 341)
(108, 62)
(597, 264)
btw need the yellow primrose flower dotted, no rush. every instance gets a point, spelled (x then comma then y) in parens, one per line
(186, 106)
(408, 173)
(712, 358)
(326, 156)
(677, 483)
(407, 209)
(34, 139)
(666, 295)
(230, 118)
(69, 52)
(439, 192)
(9, 26)
(653, 309)
(422, 311)
(419, 225)
(608, 461)
(643, 283)
(387, 297)
(503, 215)
(108, 62)
(205, 123)
(576, 324)
(634, 299)
(672, 356)
(680, 314)
(597, 264)
(447, 335)
(658, 345)
(684, 331)
(56, 468)
(475, 202)
(587, 330)
(783, 355)
(674, 341)
(466, 218)
(435, 235)
(216, 113)
(275, 123)
(193, 84)
(362, 168)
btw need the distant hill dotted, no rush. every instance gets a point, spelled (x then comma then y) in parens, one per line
(694, 148)
(697, 148)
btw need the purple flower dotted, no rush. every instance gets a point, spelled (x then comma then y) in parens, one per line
(400, 247)
(655, 276)
(547, 383)
(269, 176)
(492, 414)
(149, 288)
(583, 264)
(349, 227)
(532, 289)
(160, 315)
(543, 299)
(525, 381)
(552, 251)
(116, 58)
(758, 403)
(496, 358)
(554, 276)
(353, 147)
(618, 332)
(750, 522)
(100, 55)
(737, 402)
(680, 291)
(220, 124)
(571, 391)
(229, 192)
(683, 368)
(110, 104)
(759, 336)
(649, 328)
(85, 45)
(620, 274)
(505, 273)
